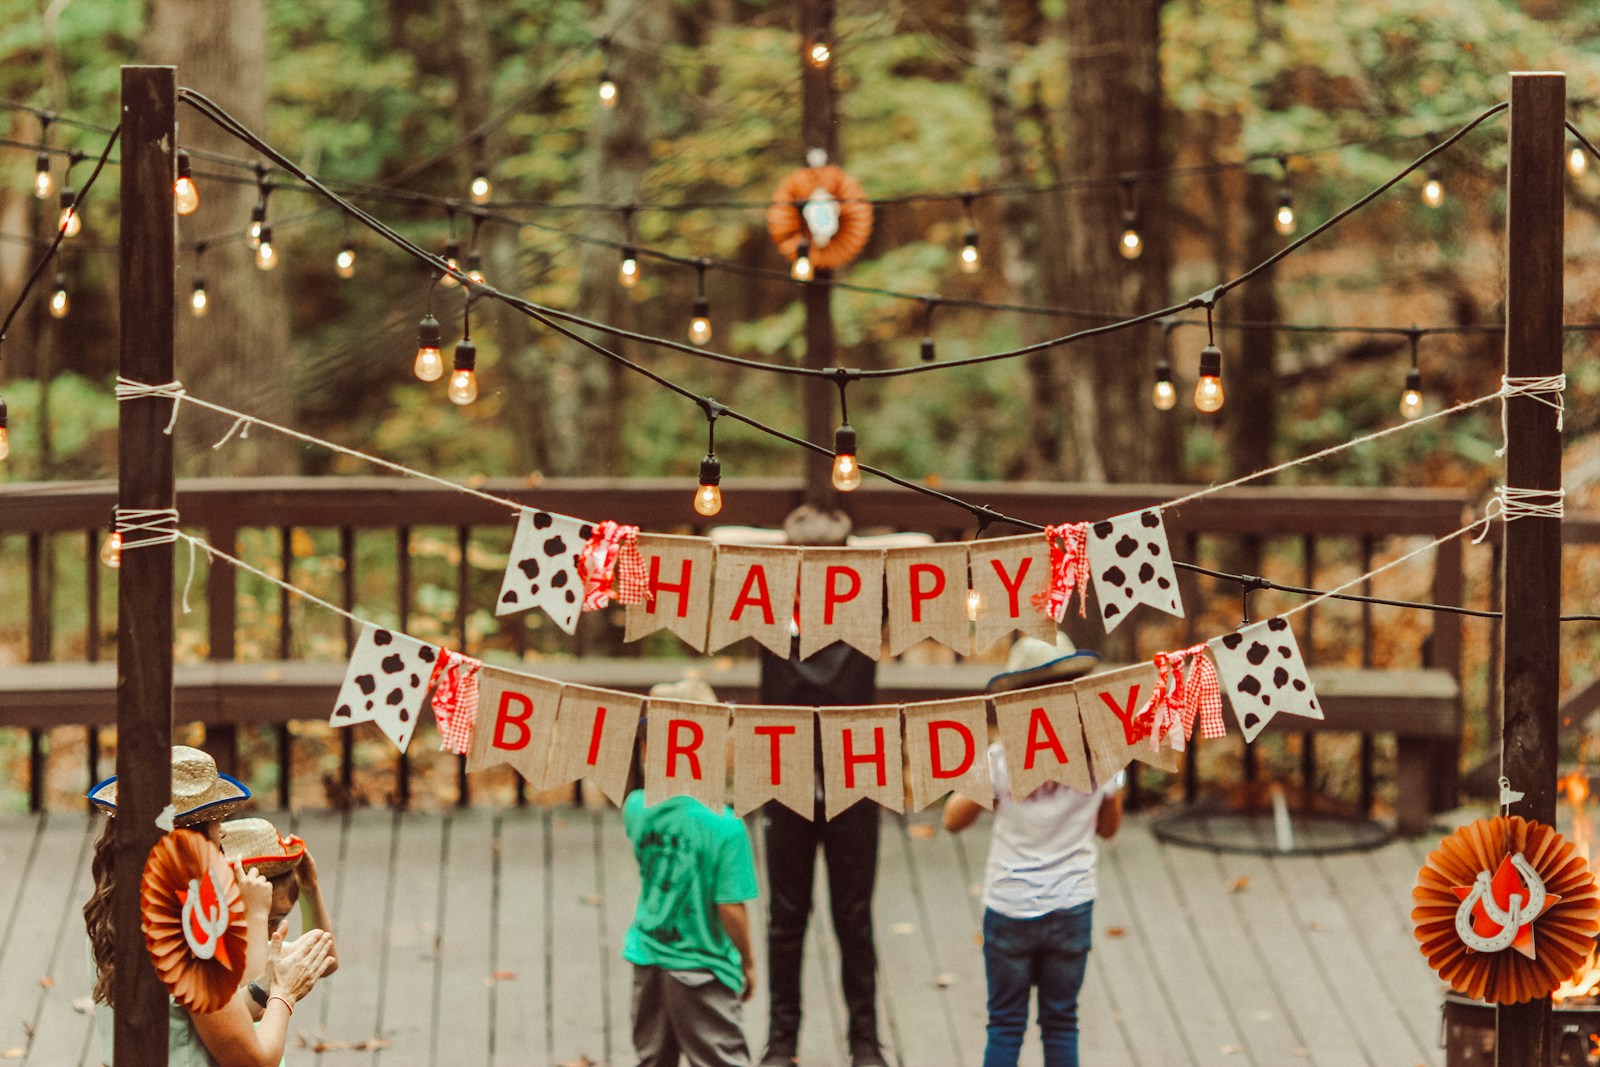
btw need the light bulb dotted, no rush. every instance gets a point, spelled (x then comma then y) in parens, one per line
(801, 271)
(111, 550)
(475, 266)
(974, 604)
(628, 270)
(266, 255)
(608, 92)
(452, 259)
(429, 364)
(846, 471)
(1432, 192)
(69, 224)
(481, 189)
(5, 432)
(1163, 395)
(1208, 394)
(258, 219)
(1283, 218)
(1411, 398)
(1131, 245)
(42, 184)
(700, 323)
(345, 262)
(185, 195)
(969, 253)
(463, 387)
(820, 54)
(1577, 161)
(708, 498)
(60, 302)
(199, 303)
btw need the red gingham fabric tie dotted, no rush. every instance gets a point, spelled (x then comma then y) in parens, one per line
(455, 700)
(1069, 569)
(1186, 689)
(611, 566)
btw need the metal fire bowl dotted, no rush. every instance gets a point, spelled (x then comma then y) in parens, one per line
(1466, 1033)
(1209, 826)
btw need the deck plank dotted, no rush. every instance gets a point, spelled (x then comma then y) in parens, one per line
(405, 1017)
(521, 1033)
(61, 1032)
(618, 875)
(463, 1009)
(352, 997)
(915, 1018)
(580, 1007)
(46, 902)
(1122, 966)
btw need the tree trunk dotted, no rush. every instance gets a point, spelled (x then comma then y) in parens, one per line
(239, 354)
(1251, 411)
(1113, 127)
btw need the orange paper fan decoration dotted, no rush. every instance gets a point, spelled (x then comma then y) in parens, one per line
(1561, 937)
(788, 228)
(193, 919)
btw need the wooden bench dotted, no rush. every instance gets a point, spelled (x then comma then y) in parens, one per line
(1418, 706)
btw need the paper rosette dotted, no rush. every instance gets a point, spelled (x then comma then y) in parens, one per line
(1563, 935)
(193, 920)
(787, 227)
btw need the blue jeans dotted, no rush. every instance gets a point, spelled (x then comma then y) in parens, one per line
(1049, 952)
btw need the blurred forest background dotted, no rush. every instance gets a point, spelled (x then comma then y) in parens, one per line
(1051, 100)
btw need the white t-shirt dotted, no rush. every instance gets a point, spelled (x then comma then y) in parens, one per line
(1042, 853)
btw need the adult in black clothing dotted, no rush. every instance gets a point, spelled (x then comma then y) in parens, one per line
(833, 677)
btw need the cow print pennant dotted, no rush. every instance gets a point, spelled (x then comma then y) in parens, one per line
(543, 569)
(1132, 565)
(1264, 674)
(386, 683)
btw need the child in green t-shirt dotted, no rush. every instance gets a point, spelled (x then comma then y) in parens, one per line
(690, 937)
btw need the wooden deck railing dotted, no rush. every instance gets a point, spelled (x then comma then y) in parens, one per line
(1328, 529)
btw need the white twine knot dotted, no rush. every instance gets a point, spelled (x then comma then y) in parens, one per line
(128, 389)
(241, 426)
(1539, 389)
(1510, 503)
(143, 527)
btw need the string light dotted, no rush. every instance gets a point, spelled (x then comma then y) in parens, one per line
(1577, 161)
(43, 186)
(70, 224)
(1208, 393)
(475, 266)
(60, 301)
(608, 88)
(708, 498)
(1131, 243)
(258, 210)
(5, 432)
(344, 264)
(1433, 190)
(969, 240)
(801, 271)
(846, 470)
(266, 254)
(185, 194)
(111, 550)
(1411, 396)
(429, 364)
(974, 604)
(452, 260)
(700, 314)
(1283, 217)
(482, 190)
(820, 54)
(463, 388)
(927, 352)
(628, 270)
(1163, 395)
(199, 302)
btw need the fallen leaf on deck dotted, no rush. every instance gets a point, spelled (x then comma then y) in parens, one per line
(13, 1053)
(1239, 884)
(944, 981)
(83, 1005)
(351, 1046)
(1315, 924)
(1115, 931)
(1232, 1050)
(922, 831)
(581, 1061)
(1302, 1051)
(593, 900)
(903, 928)
(505, 976)
(47, 981)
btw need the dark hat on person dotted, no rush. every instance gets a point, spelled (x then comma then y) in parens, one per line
(200, 793)
(1033, 662)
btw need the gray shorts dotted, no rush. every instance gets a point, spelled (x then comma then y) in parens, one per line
(687, 1013)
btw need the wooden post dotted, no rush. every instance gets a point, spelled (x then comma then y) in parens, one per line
(1532, 578)
(147, 265)
(819, 132)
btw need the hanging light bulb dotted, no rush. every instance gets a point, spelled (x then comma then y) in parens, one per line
(185, 194)
(1433, 190)
(628, 269)
(1283, 218)
(1411, 398)
(258, 219)
(820, 54)
(801, 271)
(266, 254)
(344, 264)
(429, 364)
(482, 190)
(43, 186)
(475, 266)
(5, 432)
(70, 224)
(1208, 394)
(463, 379)
(111, 550)
(1130, 244)
(969, 252)
(974, 605)
(608, 91)
(452, 259)
(60, 302)
(1163, 395)
(927, 352)
(1577, 161)
(199, 303)
(700, 322)
(708, 498)
(846, 471)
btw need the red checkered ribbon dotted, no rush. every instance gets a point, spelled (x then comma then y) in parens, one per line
(1069, 569)
(611, 566)
(1186, 689)
(455, 700)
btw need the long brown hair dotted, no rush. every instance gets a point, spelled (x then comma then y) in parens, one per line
(97, 912)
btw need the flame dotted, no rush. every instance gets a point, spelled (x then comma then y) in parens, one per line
(1575, 787)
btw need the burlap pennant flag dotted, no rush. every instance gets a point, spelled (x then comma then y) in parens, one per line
(1042, 739)
(679, 573)
(841, 599)
(686, 752)
(1107, 704)
(773, 753)
(386, 683)
(861, 757)
(516, 722)
(926, 589)
(542, 571)
(1261, 667)
(947, 744)
(1131, 565)
(1007, 572)
(753, 596)
(595, 730)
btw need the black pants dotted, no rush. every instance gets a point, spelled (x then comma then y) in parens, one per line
(850, 846)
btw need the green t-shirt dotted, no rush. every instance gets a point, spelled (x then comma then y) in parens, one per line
(690, 860)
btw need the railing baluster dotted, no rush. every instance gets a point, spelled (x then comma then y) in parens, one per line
(463, 613)
(347, 600)
(39, 634)
(1368, 748)
(1308, 650)
(285, 648)
(91, 644)
(1191, 759)
(222, 738)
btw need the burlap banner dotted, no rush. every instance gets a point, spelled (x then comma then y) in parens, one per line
(947, 745)
(1043, 741)
(686, 752)
(754, 596)
(841, 599)
(773, 753)
(1006, 573)
(595, 730)
(861, 757)
(1107, 704)
(927, 595)
(679, 571)
(516, 721)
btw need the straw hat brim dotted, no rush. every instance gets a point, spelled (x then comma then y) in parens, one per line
(1062, 669)
(222, 798)
(257, 843)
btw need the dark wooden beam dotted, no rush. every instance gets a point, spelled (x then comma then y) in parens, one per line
(1532, 579)
(819, 131)
(147, 266)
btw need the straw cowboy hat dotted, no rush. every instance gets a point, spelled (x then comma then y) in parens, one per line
(199, 793)
(815, 527)
(1034, 662)
(690, 690)
(257, 843)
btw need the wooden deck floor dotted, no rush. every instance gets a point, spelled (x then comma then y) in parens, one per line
(492, 936)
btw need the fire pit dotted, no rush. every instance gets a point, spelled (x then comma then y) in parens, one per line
(1468, 1033)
